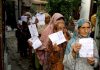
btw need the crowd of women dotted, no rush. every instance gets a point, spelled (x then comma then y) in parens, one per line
(49, 56)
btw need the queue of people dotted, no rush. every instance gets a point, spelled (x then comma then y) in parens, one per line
(50, 55)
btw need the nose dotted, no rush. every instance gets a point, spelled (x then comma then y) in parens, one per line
(86, 30)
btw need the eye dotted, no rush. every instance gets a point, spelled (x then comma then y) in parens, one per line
(85, 27)
(88, 27)
(82, 27)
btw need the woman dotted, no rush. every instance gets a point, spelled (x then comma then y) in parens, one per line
(42, 27)
(55, 52)
(49, 29)
(42, 51)
(72, 61)
(24, 36)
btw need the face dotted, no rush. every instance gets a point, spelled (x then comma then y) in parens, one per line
(60, 26)
(47, 19)
(84, 30)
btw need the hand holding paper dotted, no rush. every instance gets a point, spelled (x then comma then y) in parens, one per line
(24, 18)
(36, 43)
(41, 18)
(33, 30)
(56, 48)
(57, 37)
(86, 48)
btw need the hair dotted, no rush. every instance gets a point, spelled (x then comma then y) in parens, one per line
(93, 19)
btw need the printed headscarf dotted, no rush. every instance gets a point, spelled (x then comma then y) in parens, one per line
(79, 23)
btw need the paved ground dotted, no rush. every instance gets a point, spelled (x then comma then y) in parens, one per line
(13, 55)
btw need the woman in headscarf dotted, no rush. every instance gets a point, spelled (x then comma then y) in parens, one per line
(55, 52)
(42, 27)
(72, 60)
(42, 51)
(49, 29)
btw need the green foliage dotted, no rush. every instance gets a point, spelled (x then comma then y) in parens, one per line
(66, 10)
(76, 3)
(53, 6)
(33, 9)
(64, 7)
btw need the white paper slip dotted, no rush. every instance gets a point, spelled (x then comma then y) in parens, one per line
(33, 30)
(24, 18)
(36, 43)
(86, 48)
(41, 23)
(41, 18)
(33, 19)
(20, 22)
(57, 37)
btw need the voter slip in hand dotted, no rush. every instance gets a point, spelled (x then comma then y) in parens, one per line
(33, 30)
(86, 47)
(57, 37)
(36, 43)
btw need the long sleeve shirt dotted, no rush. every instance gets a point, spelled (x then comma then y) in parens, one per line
(78, 63)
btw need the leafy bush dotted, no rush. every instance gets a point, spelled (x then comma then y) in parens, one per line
(65, 7)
